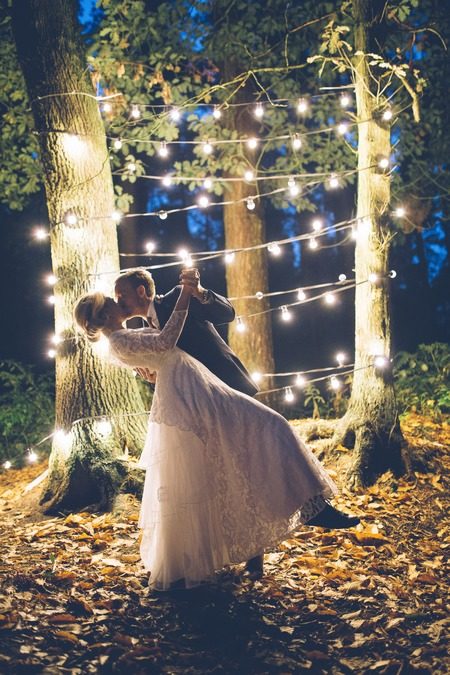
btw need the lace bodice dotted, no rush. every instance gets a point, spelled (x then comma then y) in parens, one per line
(140, 347)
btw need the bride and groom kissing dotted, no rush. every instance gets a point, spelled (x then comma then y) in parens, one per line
(226, 476)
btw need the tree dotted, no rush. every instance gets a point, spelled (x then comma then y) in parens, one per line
(84, 465)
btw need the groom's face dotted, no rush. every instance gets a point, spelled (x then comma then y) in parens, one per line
(128, 298)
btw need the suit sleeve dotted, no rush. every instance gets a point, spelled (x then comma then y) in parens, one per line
(217, 310)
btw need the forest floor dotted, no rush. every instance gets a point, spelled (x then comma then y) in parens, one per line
(74, 597)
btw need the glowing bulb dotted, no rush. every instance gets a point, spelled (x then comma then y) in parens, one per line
(345, 100)
(71, 219)
(203, 201)
(116, 216)
(400, 212)
(51, 353)
(285, 313)
(334, 181)
(316, 225)
(229, 257)
(313, 244)
(51, 279)
(387, 115)
(294, 189)
(240, 325)
(252, 143)
(162, 215)
(250, 203)
(249, 175)
(51, 299)
(392, 274)
(40, 233)
(259, 295)
(56, 339)
(340, 358)
(373, 278)
(74, 145)
(7, 465)
(258, 111)
(183, 253)
(256, 377)
(296, 142)
(330, 299)
(300, 380)
(150, 246)
(103, 427)
(301, 295)
(117, 144)
(163, 150)
(32, 456)
(135, 112)
(217, 113)
(207, 148)
(175, 115)
(106, 107)
(381, 361)
(335, 383)
(274, 249)
(63, 439)
(383, 163)
(131, 166)
(207, 183)
(289, 396)
(342, 128)
(342, 277)
(167, 180)
(302, 106)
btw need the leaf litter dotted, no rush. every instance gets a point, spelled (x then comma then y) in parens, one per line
(74, 597)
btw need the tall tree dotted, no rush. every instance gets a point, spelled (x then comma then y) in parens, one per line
(84, 465)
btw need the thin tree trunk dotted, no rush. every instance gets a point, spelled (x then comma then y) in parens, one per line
(371, 422)
(84, 464)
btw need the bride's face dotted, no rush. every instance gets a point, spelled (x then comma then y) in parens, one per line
(113, 312)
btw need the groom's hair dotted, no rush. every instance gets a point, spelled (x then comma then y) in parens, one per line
(139, 277)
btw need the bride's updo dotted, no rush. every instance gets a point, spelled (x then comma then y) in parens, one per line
(89, 314)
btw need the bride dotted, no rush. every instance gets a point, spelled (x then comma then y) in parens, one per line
(226, 476)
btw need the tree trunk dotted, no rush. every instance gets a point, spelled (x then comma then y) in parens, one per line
(371, 423)
(85, 468)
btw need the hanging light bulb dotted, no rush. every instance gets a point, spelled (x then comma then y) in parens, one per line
(240, 325)
(302, 105)
(40, 233)
(150, 246)
(387, 115)
(56, 339)
(392, 274)
(342, 128)
(117, 145)
(116, 217)
(345, 100)
(316, 225)
(162, 215)
(106, 107)
(259, 295)
(342, 277)
(50, 279)
(250, 202)
(301, 295)
(207, 183)
(333, 182)
(167, 180)
(257, 377)
(7, 465)
(207, 148)
(217, 113)
(296, 142)
(400, 212)
(274, 248)
(252, 143)
(300, 380)
(229, 257)
(335, 383)
(294, 189)
(259, 111)
(373, 278)
(51, 353)
(313, 244)
(340, 358)
(285, 313)
(32, 456)
(249, 175)
(203, 201)
(381, 362)
(135, 112)
(163, 150)
(71, 219)
(175, 115)
(51, 299)
(329, 298)
(289, 396)
(383, 163)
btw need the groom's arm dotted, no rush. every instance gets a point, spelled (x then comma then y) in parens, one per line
(206, 305)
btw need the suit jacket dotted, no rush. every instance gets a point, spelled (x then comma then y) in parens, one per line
(201, 340)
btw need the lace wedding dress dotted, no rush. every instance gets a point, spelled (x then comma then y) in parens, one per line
(226, 476)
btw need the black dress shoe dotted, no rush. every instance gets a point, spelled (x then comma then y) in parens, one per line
(254, 567)
(332, 518)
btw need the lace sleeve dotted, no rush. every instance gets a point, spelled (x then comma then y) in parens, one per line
(144, 341)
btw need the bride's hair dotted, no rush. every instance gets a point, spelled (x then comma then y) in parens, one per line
(89, 314)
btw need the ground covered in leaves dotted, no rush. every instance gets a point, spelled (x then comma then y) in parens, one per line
(74, 597)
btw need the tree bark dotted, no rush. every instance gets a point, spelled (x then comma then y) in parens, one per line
(371, 423)
(85, 468)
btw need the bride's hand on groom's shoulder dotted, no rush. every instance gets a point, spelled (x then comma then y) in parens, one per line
(146, 374)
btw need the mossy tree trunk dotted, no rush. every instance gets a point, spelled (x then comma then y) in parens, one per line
(371, 424)
(85, 468)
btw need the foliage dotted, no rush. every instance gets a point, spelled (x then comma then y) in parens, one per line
(26, 410)
(423, 380)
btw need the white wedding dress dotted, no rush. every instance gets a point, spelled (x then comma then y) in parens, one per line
(226, 476)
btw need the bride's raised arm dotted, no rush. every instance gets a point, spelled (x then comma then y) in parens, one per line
(127, 343)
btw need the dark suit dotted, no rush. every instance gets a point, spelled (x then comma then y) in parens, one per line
(200, 339)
